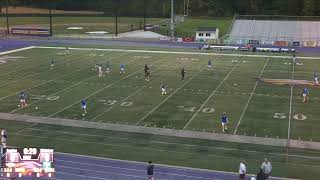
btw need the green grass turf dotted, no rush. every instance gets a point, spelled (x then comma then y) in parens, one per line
(190, 26)
(162, 149)
(60, 24)
(194, 104)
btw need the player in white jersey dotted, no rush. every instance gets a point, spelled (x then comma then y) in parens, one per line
(163, 88)
(100, 71)
(3, 137)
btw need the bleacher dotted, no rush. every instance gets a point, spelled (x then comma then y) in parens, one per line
(275, 32)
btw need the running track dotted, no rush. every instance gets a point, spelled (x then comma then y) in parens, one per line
(77, 167)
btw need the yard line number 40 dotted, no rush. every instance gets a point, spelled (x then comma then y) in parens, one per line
(299, 117)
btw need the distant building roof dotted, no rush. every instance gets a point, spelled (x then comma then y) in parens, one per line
(207, 29)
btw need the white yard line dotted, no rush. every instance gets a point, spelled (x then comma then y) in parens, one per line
(170, 96)
(176, 52)
(290, 103)
(106, 87)
(22, 68)
(251, 95)
(86, 79)
(16, 50)
(28, 127)
(45, 82)
(212, 94)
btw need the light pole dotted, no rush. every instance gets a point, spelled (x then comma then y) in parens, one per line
(172, 20)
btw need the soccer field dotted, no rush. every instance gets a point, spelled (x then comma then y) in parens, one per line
(254, 108)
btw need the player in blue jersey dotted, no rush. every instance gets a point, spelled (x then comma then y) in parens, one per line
(224, 122)
(52, 64)
(22, 97)
(122, 69)
(163, 88)
(209, 64)
(84, 107)
(305, 95)
(316, 77)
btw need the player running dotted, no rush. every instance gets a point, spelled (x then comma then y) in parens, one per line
(3, 137)
(148, 74)
(84, 107)
(22, 97)
(209, 64)
(146, 67)
(183, 73)
(122, 69)
(163, 88)
(305, 95)
(52, 64)
(224, 122)
(316, 77)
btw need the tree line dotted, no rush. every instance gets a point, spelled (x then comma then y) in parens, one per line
(161, 8)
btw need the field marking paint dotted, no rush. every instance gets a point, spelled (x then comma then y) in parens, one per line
(69, 87)
(170, 95)
(290, 103)
(148, 148)
(45, 82)
(251, 95)
(171, 143)
(25, 128)
(212, 94)
(16, 50)
(106, 87)
(18, 69)
(112, 106)
(177, 52)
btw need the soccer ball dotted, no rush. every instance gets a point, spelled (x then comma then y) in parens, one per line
(83, 114)
(18, 105)
(36, 107)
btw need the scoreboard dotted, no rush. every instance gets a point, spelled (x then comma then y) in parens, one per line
(36, 162)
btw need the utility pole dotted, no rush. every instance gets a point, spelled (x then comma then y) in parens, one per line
(172, 20)
(144, 15)
(7, 16)
(50, 16)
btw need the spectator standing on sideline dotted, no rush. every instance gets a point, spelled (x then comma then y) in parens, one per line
(242, 170)
(266, 168)
(150, 170)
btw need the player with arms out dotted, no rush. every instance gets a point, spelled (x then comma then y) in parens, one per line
(183, 73)
(224, 121)
(84, 107)
(316, 77)
(122, 69)
(163, 88)
(22, 97)
(3, 137)
(305, 95)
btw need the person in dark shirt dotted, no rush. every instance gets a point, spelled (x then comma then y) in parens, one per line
(183, 73)
(150, 170)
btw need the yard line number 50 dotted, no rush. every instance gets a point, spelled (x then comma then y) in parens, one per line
(299, 117)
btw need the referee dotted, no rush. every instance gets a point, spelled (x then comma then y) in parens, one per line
(150, 170)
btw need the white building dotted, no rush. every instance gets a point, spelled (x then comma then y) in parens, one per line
(207, 33)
